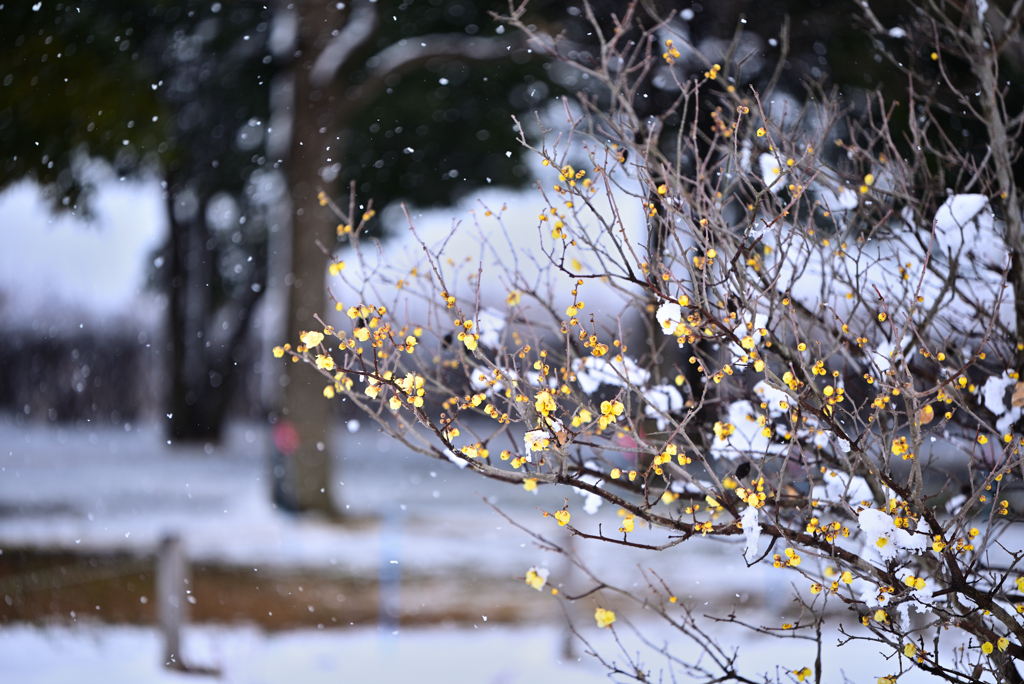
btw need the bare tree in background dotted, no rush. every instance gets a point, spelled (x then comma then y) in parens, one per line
(809, 343)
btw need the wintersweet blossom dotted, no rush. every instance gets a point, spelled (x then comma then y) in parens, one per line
(604, 617)
(544, 404)
(312, 338)
(537, 577)
(562, 517)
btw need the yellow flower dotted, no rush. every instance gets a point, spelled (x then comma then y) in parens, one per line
(604, 617)
(562, 517)
(910, 650)
(311, 338)
(278, 352)
(513, 297)
(1003, 643)
(536, 578)
(530, 484)
(336, 267)
(760, 132)
(544, 403)
(537, 440)
(723, 430)
(802, 673)
(609, 408)
(880, 616)
(987, 648)
(395, 403)
(324, 362)
(329, 392)
(410, 343)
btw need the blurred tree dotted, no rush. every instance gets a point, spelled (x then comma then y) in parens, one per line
(155, 87)
(405, 101)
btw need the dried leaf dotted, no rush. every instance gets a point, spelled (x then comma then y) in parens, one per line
(926, 414)
(1018, 395)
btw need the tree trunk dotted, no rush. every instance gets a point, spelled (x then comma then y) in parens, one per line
(191, 269)
(308, 467)
(206, 342)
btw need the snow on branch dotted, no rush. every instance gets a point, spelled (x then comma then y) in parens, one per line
(413, 50)
(360, 26)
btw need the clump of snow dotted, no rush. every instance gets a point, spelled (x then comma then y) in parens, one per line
(456, 458)
(963, 226)
(843, 200)
(887, 539)
(592, 372)
(751, 533)
(480, 379)
(593, 501)
(747, 439)
(994, 393)
(994, 390)
(957, 211)
(662, 399)
(897, 32)
(771, 172)
(669, 315)
(535, 438)
(490, 323)
(539, 577)
(773, 398)
(886, 353)
(842, 487)
(954, 504)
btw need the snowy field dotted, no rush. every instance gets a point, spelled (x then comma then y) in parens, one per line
(109, 490)
(477, 655)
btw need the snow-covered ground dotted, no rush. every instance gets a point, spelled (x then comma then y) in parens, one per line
(491, 654)
(109, 489)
